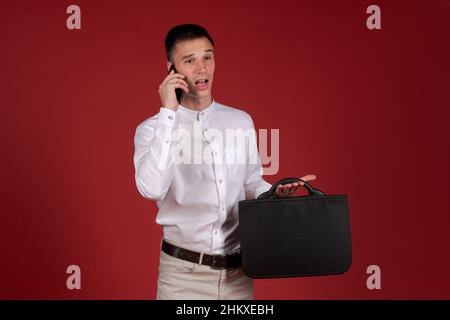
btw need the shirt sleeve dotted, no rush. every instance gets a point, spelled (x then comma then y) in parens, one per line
(254, 183)
(152, 161)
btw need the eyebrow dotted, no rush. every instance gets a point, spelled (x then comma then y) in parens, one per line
(190, 55)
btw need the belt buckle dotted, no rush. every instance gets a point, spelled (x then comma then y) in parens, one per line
(213, 263)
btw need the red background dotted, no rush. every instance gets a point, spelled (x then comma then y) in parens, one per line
(366, 111)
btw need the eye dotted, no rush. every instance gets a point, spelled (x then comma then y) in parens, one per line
(189, 61)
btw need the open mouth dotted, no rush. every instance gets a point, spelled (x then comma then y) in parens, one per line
(201, 81)
(201, 84)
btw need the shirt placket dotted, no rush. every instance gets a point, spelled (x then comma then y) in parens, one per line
(220, 182)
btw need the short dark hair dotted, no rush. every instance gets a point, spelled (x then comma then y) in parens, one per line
(184, 32)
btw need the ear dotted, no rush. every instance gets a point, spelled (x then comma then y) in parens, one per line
(169, 64)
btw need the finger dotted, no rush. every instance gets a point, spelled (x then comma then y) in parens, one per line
(283, 194)
(176, 75)
(309, 177)
(176, 80)
(288, 189)
(180, 86)
(281, 190)
(173, 76)
(295, 186)
(279, 193)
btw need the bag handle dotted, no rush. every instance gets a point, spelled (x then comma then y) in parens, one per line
(270, 193)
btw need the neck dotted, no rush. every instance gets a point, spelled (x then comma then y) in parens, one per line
(197, 104)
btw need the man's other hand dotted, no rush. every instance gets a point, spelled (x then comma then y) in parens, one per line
(287, 190)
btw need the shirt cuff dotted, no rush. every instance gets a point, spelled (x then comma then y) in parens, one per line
(265, 186)
(166, 117)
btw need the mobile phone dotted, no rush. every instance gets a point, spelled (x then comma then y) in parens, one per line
(179, 92)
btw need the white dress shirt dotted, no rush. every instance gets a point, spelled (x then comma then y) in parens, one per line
(197, 201)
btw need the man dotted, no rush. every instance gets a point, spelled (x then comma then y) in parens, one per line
(197, 202)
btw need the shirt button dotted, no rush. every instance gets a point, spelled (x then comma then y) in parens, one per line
(215, 231)
(167, 141)
(170, 117)
(220, 181)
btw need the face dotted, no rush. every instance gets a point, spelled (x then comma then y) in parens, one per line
(195, 59)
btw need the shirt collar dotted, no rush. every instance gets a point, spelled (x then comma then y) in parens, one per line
(196, 114)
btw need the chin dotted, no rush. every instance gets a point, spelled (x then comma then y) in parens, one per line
(203, 94)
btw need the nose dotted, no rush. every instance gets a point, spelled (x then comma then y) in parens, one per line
(201, 67)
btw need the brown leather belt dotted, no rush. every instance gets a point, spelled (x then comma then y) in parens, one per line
(214, 261)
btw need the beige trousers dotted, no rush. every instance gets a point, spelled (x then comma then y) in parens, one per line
(183, 280)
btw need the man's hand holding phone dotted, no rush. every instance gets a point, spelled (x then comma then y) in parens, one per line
(167, 89)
